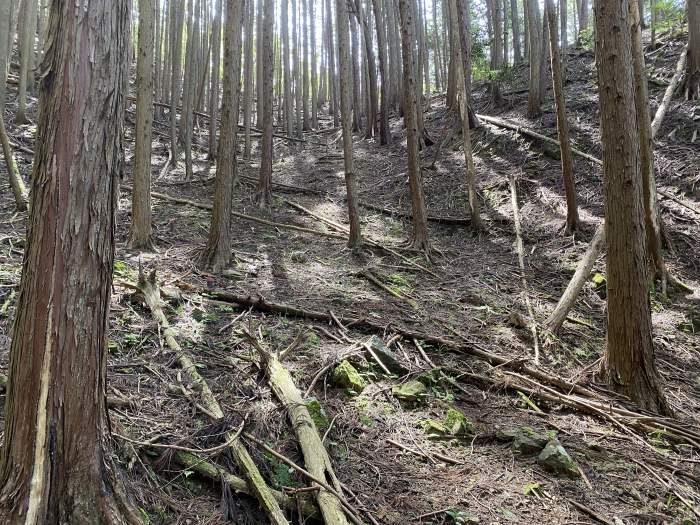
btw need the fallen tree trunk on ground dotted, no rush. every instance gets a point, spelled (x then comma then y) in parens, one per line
(668, 94)
(316, 458)
(217, 474)
(151, 294)
(583, 270)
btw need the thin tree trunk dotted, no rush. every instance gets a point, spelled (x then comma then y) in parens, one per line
(5, 40)
(437, 59)
(215, 78)
(629, 356)
(691, 82)
(535, 94)
(342, 23)
(384, 130)
(187, 122)
(567, 161)
(141, 234)
(420, 224)
(217, 254)
(248, 79)
(563, 37)
(259, 65)
(517, 53)
(26, 56)
(646, 157)
(371, 68)
(463, 36)
(314, 82)
(16, 183)
(55, 466)
(264, 191)
(177, 17)
(286, 67)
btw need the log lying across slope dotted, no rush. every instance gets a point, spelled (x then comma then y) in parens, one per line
(151, 293)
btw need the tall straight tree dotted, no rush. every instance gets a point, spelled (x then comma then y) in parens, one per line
(567, 161)
(264, 192)
(26, 38)
(55, 465)
(342, 23)
(248, 77)
(314, 84)
(384, 130)
(629, 355)
(691, 82)
(535, 92)
(218, 250)
(177, 20)
(463, 21)
(517, 53)
(563, 27)
(215, 78)
(419, 238)
(5, 40)
(141, 234)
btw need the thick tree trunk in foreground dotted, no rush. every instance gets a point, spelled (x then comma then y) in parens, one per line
(420, 223)
(567, 161)
(346, 110)
(629, 357)
(264, 194)
(218, 250)
(54, 465)
(140, 236)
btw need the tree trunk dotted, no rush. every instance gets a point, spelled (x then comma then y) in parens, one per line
(19, 191)
(691, 83)
(535, 95)
(5, 40)
(215, 78)
(463, 35)
(646, 157)
(264, 191)
(55, 466)
(629, 356)
(567, 161)
(188, 92)
(564, 36)
(356, 78)
(259, 65)
(384, 130)
(218, 251)
(286, 68)
(437, 59)
(314, 83)
(177, 18)
(141, 234)
(420, 224)
(517, 53)
(342, 23)
(582, 20)
(371, 69)
(26, 55)
(248, 79)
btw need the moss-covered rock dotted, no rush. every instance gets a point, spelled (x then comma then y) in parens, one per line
(434, 429)
(410, 392)
(458, 424)
(600, 284)
(556, 459)
(346, 376)
(318, 415)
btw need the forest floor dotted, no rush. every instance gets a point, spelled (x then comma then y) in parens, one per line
(472, 295)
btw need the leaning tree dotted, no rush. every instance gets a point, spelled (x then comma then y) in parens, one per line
(56, 465)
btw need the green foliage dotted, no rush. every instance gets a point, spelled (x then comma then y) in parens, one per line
(669, 13)
(587, 38)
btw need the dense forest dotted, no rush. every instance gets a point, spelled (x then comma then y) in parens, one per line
(349, 262)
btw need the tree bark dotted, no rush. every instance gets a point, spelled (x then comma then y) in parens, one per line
(141, 234)
(567, 161)
(384, 130)
(55, 463)
(215, 78)
(314, 83)
(563, 26)
(691, 83)
(264, 191)
(26, 56)
(517, 53)
(5, 40)
(629, 357)
(177, 17)
(535, 95)
(218, 251)
(461, 7)
(342, 23)
(419, 239)
(248, 78)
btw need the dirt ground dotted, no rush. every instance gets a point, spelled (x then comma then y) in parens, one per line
(472, 294)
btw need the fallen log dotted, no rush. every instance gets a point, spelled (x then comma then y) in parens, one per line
(316, 458)
(583, 270)
(668, 94)
(216, 474)
(151, 294)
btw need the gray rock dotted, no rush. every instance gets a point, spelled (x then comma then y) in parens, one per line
(556, 459)
(387, 357)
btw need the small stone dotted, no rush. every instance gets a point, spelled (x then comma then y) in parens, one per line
(458, 424)
(556, 459)
(346, 376)
(434, 429)
(410, 392)
(527, 442)
(386, 356)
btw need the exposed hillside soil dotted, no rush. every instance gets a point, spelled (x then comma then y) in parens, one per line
(471, 295)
